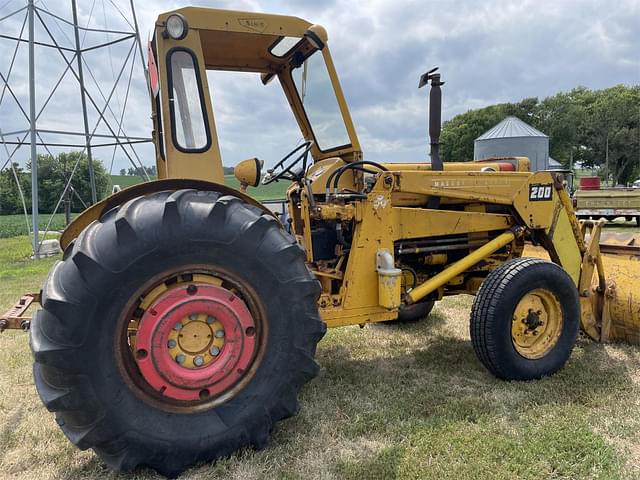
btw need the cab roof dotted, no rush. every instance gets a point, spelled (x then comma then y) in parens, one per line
(244, 41)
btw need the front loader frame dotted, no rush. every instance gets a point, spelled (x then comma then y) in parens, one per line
(494, 210)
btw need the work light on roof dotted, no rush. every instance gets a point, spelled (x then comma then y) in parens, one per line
(177, 26)
(317, 36)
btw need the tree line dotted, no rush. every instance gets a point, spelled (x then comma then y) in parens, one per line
(583, 125)
(139, 171)
(53, 175)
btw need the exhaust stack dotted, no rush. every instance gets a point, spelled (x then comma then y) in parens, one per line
(435, 115)
(435, 124)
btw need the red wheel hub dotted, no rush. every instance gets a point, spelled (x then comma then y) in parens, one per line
(194, 341)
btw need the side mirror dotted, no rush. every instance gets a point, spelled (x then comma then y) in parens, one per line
(248, 173)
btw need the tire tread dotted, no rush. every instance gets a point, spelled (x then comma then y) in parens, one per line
(229, 221)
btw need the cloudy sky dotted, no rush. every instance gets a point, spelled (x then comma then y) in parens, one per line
(488, 52)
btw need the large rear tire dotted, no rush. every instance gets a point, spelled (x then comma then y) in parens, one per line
(107, 304)
(525, 319)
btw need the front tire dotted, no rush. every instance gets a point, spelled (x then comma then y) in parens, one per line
(525, 319)
(152, 254)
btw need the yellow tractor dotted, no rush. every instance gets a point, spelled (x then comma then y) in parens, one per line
(183, 318)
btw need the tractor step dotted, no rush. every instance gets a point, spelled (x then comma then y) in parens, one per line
(14, 318)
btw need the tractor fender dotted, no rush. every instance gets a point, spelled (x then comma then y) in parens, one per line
(95, 211)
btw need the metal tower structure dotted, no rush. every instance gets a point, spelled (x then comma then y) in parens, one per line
(85, 63)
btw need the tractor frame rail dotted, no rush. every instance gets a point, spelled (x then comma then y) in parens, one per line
(14, 318)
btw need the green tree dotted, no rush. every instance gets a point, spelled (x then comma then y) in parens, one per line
(54, 172)
(583, 125)
(459, 133)
(611, 129)
(559, 117)
(140, 171)
(10, 202)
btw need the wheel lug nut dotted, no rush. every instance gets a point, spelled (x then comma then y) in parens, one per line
(198, 361)
(220, 333)
(171, 343)
(193, 316)
(180, 358)
(210, 319)
(178, 326)
(214, 351)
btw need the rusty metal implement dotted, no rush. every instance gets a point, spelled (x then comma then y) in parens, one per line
(15, 318)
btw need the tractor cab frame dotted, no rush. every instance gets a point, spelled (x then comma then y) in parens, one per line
(289, 48)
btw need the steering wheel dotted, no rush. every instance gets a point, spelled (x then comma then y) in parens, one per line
(286, 172)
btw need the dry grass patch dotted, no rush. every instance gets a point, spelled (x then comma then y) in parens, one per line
(390, 402)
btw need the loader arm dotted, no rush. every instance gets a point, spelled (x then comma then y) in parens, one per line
(496, 212)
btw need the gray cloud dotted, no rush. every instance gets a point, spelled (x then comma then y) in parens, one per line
(488, 52)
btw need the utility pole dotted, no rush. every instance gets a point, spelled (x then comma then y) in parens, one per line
(67, 198)
(571, 168)
(32, 131)
(140, 49)
(87, 136)
(606, 157)
(37, 34)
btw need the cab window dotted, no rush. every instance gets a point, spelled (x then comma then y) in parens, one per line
(188, 116)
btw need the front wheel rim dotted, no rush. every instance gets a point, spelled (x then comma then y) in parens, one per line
(536, 324)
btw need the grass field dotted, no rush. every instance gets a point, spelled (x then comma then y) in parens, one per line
(125, 180)
(390, 402)
(13, 225)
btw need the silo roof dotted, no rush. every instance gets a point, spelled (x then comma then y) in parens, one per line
(511, 127)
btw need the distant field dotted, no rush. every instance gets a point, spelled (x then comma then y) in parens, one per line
(125, 180)
(14, 225)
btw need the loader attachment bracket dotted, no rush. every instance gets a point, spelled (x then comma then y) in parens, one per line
(591, 296)
(14, 318)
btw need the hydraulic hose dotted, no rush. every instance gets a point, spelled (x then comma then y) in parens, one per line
(336, 174)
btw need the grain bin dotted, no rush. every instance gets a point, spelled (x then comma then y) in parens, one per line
(513, 137)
